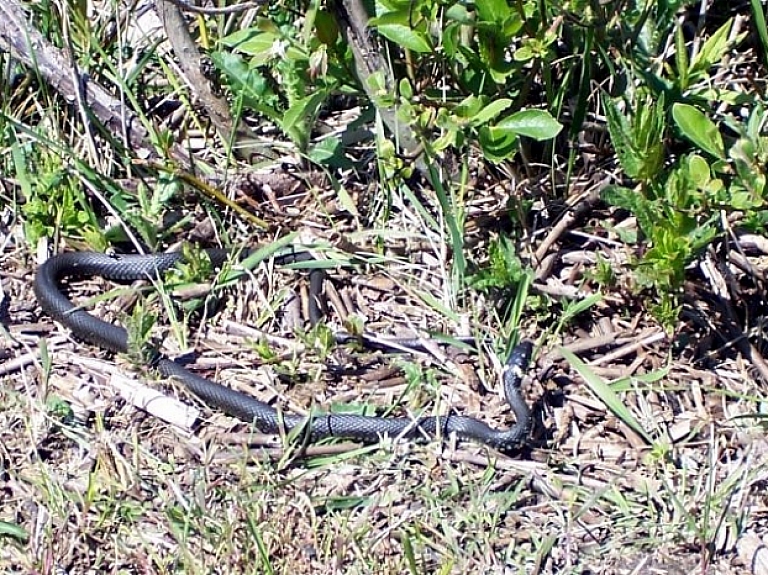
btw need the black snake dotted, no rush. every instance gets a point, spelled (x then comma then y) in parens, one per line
(265, 417)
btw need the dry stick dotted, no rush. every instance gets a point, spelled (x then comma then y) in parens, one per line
(740, 261)
(643, 341)
(191, 64)
(759, 243)
(588, 344)
(27, 45)
(242, 7)
(353, 19)
(742, 342)
(206, 189)
(18, 363)
(578, 210)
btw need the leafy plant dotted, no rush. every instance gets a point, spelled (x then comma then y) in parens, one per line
(275, 71)
(687, 79)
(504, 267)
(54, 201)
(473, 44)
(678, 208)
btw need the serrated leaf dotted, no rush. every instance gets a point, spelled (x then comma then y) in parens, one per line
(699, 129)
(246, 82)
(631, 200)
(536, 124)
(621, 138)
(621, 197)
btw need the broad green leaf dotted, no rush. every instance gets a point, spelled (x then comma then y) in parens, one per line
(698, 169)
(459, 13)
(497, 144)
(248, 83)
(326, 27)
(385, 6)
(536, 124)
(496, 11)
(469, 106)
(490, 111)
(698, 128)
(239, 37)
(295, 123)
(606, 394)
(406, 37)
(403, 17)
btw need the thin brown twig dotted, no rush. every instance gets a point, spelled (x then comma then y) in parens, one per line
(581, 207)
(213, 11)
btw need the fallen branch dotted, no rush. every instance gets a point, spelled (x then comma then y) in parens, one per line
(26, 44)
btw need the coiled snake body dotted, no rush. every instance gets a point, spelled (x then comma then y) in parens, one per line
(242, 406)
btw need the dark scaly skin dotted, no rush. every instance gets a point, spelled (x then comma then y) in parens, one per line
(247, 408)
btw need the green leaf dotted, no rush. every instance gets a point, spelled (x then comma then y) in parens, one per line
(237, 38)
(606, 394)
(229, 276)
(536, 124)
(406, 37)
(490, 111)
(631, 200)
(497, 144)
(469, 106)
(330, 152)
(459, 13)
(247, 83)
(681, 59)
(12, 530)
(713, 50)
(622, 138)
(698, 128)
(698, 169)
(496, 11)
(758, 20)
(297, 118)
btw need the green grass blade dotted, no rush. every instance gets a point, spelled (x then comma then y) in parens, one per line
(604, 393)
(452, 216)
(762, 30)
(257, 257)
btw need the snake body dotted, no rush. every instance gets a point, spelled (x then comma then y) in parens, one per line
(245, 407)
